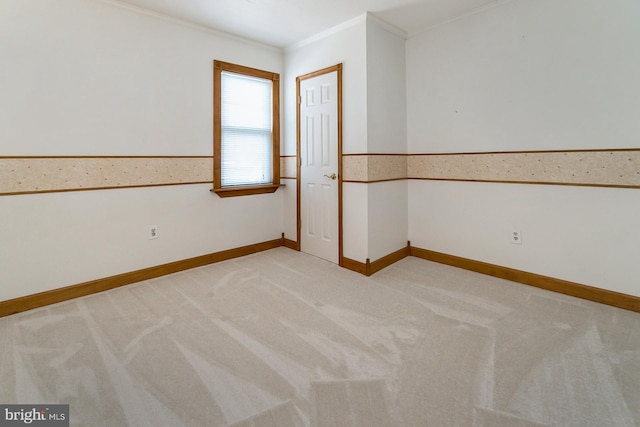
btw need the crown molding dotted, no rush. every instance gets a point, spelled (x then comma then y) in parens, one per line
(327, 33)
(190, 24)
(459, 17)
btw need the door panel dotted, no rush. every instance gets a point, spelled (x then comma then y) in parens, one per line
(310, 141)
(326, 141)
(311, 211)
(319, 166)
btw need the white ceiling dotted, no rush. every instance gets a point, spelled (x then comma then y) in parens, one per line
(282, 23)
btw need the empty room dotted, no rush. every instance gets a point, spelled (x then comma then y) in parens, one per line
(306, 213)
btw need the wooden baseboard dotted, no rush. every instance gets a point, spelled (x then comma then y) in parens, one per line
(368, 268)
(603, 296)
(353, 265)
(42, 299)
(291, 244)
(386, 261)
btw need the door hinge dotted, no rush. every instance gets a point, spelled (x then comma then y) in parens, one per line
(300, 100)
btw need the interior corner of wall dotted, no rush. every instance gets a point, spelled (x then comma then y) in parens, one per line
(372, 19)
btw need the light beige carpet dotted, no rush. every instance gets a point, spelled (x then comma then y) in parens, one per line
(281, 338)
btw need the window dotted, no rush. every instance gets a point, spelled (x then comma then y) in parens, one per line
(246, 141)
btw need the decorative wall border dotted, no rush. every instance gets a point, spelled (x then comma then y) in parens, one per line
(618, 168)
(598, 168)
(50, 174)
(288, 166)
(374, 167)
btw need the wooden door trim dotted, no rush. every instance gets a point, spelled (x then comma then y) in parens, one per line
(338, 69)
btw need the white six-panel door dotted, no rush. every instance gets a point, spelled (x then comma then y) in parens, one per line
(319, 166)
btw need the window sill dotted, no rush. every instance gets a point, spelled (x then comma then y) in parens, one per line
(246, 191)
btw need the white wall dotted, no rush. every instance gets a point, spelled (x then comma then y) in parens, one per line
(87, 78)
(386, 88)
(374, 121)
(530, 75)
(289, 208)
(59, 239)
(527, 75)
(581, 234)
(386, 133)
(388, 217)
(84, 77)
(345, 44)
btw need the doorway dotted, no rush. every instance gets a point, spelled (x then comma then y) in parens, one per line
(320, 163)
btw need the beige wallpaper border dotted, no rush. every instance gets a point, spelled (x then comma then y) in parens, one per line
(367, 168)
(47, 174)
(50, 174)
(288, 167)
(618, 168)
(597, 167)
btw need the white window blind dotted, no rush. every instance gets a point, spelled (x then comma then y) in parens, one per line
(246, 157)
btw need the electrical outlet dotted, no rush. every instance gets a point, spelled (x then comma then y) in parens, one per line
(153, 232)
(516, 237)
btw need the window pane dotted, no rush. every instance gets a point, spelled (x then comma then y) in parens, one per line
(246, 101)
(246, 130)
(246, 157)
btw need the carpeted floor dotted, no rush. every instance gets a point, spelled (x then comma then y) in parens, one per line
(281, 338)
